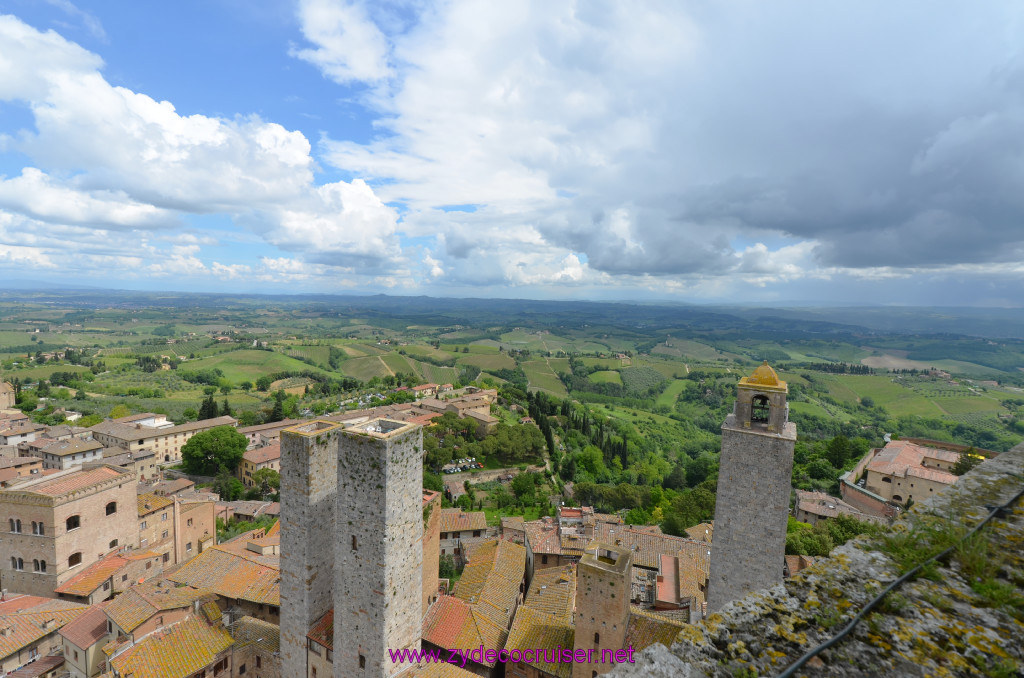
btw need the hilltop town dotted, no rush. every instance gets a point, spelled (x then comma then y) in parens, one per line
(251, 527)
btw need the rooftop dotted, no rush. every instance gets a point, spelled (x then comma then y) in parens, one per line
(72, 480)
(455, 520)
(231, 575)
(177, 652)
(899, 457)
(262, 455)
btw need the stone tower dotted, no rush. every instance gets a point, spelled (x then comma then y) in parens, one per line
(754, 483)
(352, 514)
(309, 488)
(378, 550)
(603, 590)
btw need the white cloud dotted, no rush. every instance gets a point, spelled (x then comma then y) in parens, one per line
(348, 45)
(110, 158)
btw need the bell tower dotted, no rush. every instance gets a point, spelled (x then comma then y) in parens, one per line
(748, 546)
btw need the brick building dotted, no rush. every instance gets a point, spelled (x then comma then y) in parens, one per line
(62, 523)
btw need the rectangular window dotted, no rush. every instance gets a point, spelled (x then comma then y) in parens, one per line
(188, 546)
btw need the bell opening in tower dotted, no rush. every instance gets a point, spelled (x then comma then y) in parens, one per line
(759, 409)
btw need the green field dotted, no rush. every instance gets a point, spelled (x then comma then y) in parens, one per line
(247, 365)
(487, 361)
(365, 368)
(669, 396)
(541, 377)
(41, 372)
(318, 354)
(606, 377)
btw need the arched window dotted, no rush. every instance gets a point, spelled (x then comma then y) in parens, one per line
(35, 565)
(42, 566)
(75, 559)
(897, 497)
(14, 563)
(73, 522)
(111, 508)
(759, 409)
(113, 544)
(12, 524)
(21, 564)
(40, 530)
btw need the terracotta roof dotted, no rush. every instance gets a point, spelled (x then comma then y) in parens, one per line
(232, 576)
(534, 629)
(28, 623)
(149, 502)
(647, 548)
(456, 520)
(647, 628)
(128, 432)
(262, 455)
(179, 651)
(89, 629)
(513, 523)
(553, 591)
(139, 603)
(252, 631)
(39, 667)
(63, 448)
(172, 486)
(704, 531)
(480, 610)
(543, 536)
(902, 458)
(322, 630)
(72, 481)
(92, 577)
(8, 462)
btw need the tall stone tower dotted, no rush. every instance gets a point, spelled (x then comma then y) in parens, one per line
(378, 550)
(309, 488)
(748, 545)
(603, 590)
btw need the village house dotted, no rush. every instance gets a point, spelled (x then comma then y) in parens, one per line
(61, 523)
(151, 434)
(110, 576)
(816, 507)
(13, 468)
(461, 530)
(142, 463)
(65, 454)
(480, 610)
(264, 434)
(30, 627)
(904, 470)
(259, 458)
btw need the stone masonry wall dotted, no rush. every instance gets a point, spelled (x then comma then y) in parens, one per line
(308, 489)
(378, 549)
(951, 622)
(751, 511)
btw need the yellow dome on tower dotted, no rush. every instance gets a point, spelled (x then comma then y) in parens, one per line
(764, 377)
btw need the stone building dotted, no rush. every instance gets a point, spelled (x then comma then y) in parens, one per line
(754, 485)
(61, 523)
(6, 395)
(151, 434)
(431, 545)
(363, 487)
(268, 456)
(903, 470)
(460, 530)
(602, 605)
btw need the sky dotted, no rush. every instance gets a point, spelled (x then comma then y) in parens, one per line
(734, 152)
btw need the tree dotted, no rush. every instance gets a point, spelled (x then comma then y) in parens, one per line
(208, 451)
(226, 485)
(245, 386)
(968, 459)
(225, 409)
(263, 383)
(267, 480)
(524, 486)
(446, 567)
(837, 451)
(208, 409)
(225, 389)
(118, 412)
(277, 412)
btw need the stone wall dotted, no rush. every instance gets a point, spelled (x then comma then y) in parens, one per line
(308, 490)
(946, 624)
(751, 510)
(378, 577)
